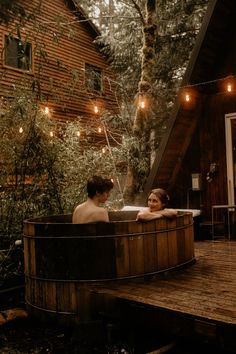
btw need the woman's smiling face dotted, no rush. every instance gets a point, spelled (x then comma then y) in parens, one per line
(154, 203)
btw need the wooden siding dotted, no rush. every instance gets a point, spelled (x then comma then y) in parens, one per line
(64, 61)
(207, 146)
(196, 134)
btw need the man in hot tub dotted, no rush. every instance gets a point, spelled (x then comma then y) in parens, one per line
(98, 191)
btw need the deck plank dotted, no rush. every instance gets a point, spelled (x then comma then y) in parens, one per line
(205, 290)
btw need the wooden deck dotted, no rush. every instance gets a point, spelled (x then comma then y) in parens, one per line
(205, 291)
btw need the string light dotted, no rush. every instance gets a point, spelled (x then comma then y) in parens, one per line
(229, 87)
(142, 104)
(223, 79)
(188, 93)
(46, 110)
(187, 97)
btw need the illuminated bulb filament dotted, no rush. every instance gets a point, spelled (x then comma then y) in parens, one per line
(95, 109)
(187, 97)
(99, 129)
(229, 87)
(142, 104)
(51, 134)
(103, 150)
(46, 110)
(78, 133)
(21, 130)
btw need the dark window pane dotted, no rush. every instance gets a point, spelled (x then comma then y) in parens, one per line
(93, 78)
(18, 54)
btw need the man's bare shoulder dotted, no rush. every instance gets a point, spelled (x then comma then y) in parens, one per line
(100, 214)
(86, 214)
(80, 206)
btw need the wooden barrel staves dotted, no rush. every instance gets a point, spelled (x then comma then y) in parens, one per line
(61, 258)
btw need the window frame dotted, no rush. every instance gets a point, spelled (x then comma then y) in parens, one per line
(6, 64)
(94, 70)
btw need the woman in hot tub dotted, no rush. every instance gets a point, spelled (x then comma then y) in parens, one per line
(157, 202)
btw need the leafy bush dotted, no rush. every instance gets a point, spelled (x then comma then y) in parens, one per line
(45, 167)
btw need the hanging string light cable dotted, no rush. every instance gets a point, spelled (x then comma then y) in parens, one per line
(199, 84)
(208, 82)
(113, 138)
(113, 162)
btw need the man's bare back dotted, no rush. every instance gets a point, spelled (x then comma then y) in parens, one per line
(98, 189)
(88, 212)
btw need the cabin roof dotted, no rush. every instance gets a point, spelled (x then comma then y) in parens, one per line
(80, 13)
(205, 65)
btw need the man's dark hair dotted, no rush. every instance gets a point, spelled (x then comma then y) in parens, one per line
(98, 184)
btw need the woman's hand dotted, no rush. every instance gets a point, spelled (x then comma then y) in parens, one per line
(147, 215)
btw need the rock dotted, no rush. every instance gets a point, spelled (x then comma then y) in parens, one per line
(12, 314)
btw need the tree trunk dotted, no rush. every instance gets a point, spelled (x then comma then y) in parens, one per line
(144, 111)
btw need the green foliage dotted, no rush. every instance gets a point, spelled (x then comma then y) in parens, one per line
(47, 175)
(42, 174)
(79, 157)
(27, 164)
(9, 9)
(178, 23)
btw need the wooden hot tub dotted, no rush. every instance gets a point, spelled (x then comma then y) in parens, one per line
(61, 257)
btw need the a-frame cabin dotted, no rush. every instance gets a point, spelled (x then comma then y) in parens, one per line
(200, 145)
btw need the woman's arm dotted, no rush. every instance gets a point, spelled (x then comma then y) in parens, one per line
(169, 213)
(146, 215)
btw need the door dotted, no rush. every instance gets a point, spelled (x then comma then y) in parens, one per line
(230, 135)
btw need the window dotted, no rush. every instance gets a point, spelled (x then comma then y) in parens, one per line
(93, 78)
(18, 54)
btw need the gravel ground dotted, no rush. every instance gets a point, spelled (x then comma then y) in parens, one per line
(26, 335)
(30, 336)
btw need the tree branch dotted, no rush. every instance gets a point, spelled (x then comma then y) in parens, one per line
(139, 12)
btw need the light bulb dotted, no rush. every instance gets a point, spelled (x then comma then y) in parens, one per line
(21, 130)
(229, 87)
(142, 104)
(187, 97)
(95, 109)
